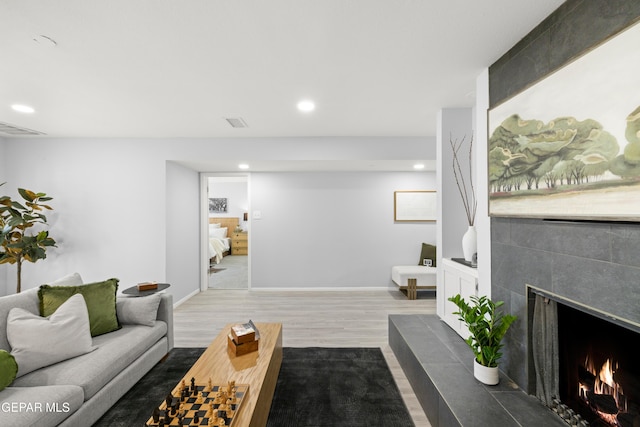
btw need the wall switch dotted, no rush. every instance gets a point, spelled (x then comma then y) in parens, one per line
(257, 215)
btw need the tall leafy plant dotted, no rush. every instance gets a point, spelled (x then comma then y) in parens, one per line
(18, 243)
(487, 326)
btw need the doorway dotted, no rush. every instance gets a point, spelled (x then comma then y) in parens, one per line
(225, 231)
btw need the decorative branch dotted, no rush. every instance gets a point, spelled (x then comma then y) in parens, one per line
(468, 197)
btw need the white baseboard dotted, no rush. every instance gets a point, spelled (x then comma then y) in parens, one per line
(316, 289)
(183, 300)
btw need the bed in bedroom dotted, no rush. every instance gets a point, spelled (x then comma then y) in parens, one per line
(220, 230)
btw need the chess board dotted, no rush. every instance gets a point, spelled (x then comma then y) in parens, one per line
(202, 410)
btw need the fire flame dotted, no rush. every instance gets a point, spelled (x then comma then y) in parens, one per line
(605, 384)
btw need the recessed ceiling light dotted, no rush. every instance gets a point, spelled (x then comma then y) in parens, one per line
(243, 166)
(20, 108)
(418, 166)
(306, 106)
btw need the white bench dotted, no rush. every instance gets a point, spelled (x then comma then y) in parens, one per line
(414, 277)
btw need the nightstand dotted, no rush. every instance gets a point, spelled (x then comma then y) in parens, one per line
(240, 243)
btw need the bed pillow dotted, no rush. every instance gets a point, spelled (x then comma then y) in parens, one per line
(8, 369)
(37, 341)
(100, 298)
(219, 233)
(212, 229)
(138, 311)
(428, 252)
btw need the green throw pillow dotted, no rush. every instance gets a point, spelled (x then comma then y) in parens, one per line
(8, 369)
(429, 252)
(100, 298)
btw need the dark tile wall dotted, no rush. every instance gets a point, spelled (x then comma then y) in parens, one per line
(593, 263)
(574, 28)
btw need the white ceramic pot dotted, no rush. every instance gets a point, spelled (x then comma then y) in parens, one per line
(486, 375)
(469, 243)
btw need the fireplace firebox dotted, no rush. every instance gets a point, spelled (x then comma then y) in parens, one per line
(599, 367)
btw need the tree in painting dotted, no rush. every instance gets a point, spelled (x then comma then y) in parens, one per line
(532, 155)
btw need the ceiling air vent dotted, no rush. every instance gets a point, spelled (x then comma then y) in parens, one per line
(236, 122)
(13, 130)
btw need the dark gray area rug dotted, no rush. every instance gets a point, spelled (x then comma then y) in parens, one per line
(330, 387)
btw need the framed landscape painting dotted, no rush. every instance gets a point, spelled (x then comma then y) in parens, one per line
(568, 147)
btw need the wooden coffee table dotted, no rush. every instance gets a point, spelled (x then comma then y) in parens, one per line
(258, 369)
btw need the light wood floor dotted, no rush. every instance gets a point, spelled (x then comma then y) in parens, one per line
(309, 319)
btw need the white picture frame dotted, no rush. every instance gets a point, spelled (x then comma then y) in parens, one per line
(414, 205)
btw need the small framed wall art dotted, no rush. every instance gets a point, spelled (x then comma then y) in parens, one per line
(417, 205)
(218, 205)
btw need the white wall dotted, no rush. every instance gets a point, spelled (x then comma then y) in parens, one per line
(483, 222)
(183, 231)
(111, 197)
(109, 201)
(333, 230)
(454, 123)
(3, 191)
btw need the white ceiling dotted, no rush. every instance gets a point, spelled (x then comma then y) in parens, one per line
(160, 68)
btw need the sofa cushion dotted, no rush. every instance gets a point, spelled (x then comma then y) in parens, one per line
(8, 369)
(138, 310)
(40, 341)
(39, 406)
(72, 279)
(100, 298)
(27, 300)
(92, 371)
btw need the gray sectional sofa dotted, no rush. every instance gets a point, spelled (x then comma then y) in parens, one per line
(79, 390)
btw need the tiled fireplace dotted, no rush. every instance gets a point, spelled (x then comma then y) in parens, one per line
(593, 265)
(598, 368)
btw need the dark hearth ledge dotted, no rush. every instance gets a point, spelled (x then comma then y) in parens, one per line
(439, 366)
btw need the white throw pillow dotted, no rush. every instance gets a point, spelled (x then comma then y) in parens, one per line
(38, 341)
(72, 279)
(138, 310)
(218, 233)
(212, 229)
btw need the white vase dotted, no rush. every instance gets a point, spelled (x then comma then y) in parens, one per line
(485, 374)
(469, 243)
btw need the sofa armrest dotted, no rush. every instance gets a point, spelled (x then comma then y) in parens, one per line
(165, 313)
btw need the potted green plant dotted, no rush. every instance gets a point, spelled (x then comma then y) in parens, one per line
(16, 218)
(487, 326)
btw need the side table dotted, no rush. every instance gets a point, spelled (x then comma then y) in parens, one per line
(133, 291)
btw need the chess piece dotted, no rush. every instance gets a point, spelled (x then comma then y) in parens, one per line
(196, 418)
(168, 399)
(193, 386)
(210, 385)
(200, 399)
(156, 415)
(230, 412)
